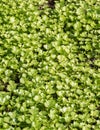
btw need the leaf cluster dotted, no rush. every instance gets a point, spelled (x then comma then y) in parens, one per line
(49, 65)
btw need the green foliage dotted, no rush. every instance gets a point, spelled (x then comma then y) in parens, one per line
(49, 65)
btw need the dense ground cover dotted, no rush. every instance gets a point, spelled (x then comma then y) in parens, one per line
(49, 65)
